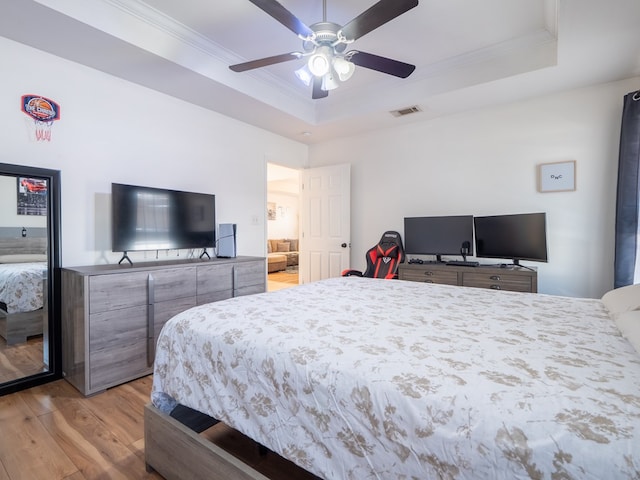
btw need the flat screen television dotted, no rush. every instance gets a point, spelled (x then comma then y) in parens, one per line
(516, 237)
(146, 218)
(442, 235)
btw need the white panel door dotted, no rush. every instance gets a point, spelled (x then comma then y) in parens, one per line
(325, 237)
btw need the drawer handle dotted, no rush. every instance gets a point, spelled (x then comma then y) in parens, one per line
(428, 281)
(495, 277)
(151, 334)
(495, 287)
(428, 274)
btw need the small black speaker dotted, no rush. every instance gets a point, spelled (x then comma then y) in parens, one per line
(464, 251)
(227, 240)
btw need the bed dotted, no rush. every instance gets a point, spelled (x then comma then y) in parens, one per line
(356, 378)
(22, 289)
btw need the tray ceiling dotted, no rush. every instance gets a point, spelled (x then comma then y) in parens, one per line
(467, 54)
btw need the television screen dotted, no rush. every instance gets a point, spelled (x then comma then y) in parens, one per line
(517, 237)
(145, 218)
(444, 235)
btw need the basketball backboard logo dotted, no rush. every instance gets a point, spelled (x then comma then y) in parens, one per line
(43, 112)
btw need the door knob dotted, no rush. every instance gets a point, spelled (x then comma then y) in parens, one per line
(344, 245)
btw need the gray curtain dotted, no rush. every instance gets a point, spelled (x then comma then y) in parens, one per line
(627, 259)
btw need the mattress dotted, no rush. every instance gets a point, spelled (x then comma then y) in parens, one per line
(21, 286)
(357, 378)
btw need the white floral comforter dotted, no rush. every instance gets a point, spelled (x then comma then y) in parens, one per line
(21, 286)
(355, 378)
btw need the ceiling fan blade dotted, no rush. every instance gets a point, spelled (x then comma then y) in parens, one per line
(317, 89)
(379, 14)
(264, 62)
(284, 16)
(380, 64)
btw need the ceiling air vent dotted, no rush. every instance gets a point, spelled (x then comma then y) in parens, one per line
(406, 111)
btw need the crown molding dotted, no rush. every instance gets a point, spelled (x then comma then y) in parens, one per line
(172, 28)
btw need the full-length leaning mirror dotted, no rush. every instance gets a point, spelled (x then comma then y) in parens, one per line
(29, 265)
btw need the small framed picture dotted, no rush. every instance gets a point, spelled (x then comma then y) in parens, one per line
(557, 177)
(32, 196)
(271, 210)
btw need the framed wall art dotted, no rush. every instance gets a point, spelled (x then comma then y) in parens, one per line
(32, 196)
(557, 176)
(271, 210)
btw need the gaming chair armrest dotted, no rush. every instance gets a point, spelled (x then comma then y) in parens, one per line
(351, 273)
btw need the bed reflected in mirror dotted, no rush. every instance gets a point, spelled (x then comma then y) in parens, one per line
(26, 276)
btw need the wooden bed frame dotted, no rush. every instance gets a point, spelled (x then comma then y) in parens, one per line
(17, 327)
(177, 452)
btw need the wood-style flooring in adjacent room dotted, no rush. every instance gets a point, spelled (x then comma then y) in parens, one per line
(280, 280)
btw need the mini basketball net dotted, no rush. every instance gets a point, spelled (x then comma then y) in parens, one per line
(44, 112)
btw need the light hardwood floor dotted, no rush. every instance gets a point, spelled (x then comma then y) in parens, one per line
(20, 360)
(52, 432)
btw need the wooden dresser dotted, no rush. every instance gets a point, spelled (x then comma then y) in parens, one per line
(516, 279)
(112, 314)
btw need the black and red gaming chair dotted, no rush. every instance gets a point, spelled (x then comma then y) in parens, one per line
(383, 259)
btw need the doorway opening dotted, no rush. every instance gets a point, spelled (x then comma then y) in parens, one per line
(283, 226)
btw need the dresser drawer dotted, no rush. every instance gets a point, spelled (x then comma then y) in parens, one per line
(173, 283)
(214, 279)
(517, 279)
(498, 281)
(249, 277)
(115, 292)
(428, 275)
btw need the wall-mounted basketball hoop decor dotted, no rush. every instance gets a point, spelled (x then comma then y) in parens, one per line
(44, 112)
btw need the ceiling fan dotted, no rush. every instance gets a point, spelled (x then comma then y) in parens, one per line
(325, 44)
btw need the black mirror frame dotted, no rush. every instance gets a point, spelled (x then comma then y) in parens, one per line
(54, 221)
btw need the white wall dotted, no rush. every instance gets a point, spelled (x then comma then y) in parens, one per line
(484, 162)
(286, 224)
(115, 131)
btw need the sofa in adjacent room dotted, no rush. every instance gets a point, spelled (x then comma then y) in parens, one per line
(282, 253)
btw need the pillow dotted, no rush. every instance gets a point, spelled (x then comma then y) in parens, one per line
(283, 247)
(629, 325)
(23, 258)
(269, 250)
(293, 245)
(623, 299)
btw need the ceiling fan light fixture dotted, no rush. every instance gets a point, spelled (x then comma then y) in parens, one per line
(324, 43)
(304, 75)
(343, 68)
(329, 82)
(320, 62)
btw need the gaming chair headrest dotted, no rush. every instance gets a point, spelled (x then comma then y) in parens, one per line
(390, 250)
(391, 237)
(389, 240)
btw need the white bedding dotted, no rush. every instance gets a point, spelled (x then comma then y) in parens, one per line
(355, 378)
(21, 286)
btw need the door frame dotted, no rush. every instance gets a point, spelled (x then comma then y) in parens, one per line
(299, 170)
